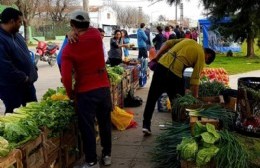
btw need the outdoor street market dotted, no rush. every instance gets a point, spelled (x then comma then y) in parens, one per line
(62, 62)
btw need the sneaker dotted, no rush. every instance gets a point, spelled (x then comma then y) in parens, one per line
(106, 160)
(147, 131)
(90, 165)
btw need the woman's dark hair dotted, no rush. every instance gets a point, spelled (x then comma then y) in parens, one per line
(125, 32)
(116, 31)
(142, 25)
(212, 55)
(80, 25)
(159, 28)
(9, 14)
(167, 28)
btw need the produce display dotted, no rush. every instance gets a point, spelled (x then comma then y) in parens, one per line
(208, 88)
(218, 74)
(55, 112)
(115, 74)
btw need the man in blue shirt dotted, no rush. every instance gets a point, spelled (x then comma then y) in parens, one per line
(142, 42)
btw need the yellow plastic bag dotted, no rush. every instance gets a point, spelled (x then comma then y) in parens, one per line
(120, 118)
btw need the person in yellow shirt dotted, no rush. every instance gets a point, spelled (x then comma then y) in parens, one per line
(173, 57)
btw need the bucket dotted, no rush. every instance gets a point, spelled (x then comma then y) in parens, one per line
(248, 105)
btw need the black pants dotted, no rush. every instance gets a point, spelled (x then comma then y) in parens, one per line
(163, 81)
(15, 96)
(95, 103)
(142, 53)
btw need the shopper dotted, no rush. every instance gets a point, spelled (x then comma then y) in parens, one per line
(85, 59)
(173, 57)
(17, 70)
(115, 52)
(142, 42)
(159, 39)
(102, 33)
(126, 41)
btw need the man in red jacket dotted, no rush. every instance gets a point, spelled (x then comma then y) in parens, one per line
(85, 61)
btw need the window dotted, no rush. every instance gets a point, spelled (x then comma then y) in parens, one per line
(108, 15)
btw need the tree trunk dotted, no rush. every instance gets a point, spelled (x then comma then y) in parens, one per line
(26, 32)
(250, 46)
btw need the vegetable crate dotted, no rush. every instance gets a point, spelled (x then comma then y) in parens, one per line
(54, 159)
(202, 120)
(14, 159)
(117, 95)
(210, 100)
(33, 153)
(50, 145)
(70, 152)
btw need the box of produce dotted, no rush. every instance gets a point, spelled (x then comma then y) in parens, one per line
(14, 158)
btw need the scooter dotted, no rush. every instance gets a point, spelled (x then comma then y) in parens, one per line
(46, 52)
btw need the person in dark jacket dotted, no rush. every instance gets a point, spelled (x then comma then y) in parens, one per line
(17, 70)
(159, 39)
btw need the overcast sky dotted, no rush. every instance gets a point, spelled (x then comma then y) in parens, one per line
(191, 9)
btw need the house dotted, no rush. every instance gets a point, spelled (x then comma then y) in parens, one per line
(104, 17)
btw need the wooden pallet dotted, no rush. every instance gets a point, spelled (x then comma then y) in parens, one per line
(13, 159)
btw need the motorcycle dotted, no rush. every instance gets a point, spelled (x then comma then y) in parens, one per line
(46, 52)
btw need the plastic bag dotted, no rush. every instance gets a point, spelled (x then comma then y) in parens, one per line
(152, 53)
(121, 119)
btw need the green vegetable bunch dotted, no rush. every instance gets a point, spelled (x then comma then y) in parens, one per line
(5, 148)
(209, 88)
(114, 77)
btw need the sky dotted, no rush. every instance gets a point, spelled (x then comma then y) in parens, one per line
(191, 9)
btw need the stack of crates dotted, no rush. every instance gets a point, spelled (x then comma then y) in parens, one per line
(143, 72)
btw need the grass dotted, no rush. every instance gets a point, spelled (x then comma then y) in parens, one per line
(238, 63)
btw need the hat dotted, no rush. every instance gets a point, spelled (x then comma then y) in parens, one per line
(79, 16)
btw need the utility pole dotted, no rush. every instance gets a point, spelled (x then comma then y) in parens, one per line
(85, 5)
(181, 14)
(176, 12)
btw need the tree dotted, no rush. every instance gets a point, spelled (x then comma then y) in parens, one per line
(244, 18)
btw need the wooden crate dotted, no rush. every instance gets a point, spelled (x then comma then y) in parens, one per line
(202, 120)
(50, 144)
(13, 159)
(70, 153)
(210, 100)
(33, 153)
(54, 160)
(70, 132)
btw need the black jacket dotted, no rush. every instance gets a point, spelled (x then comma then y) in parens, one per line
(15, 60)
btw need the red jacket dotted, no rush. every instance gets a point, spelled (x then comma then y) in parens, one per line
(84, 59)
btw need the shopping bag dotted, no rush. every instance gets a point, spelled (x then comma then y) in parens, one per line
(152, 64)
(152, 53)
(121, 119)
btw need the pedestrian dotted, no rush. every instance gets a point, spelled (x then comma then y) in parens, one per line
(167, 32)
(194, 34)
(102, 33)
(17, 70)
(173, 57)
(85, 60)
(159, 39)
(126, 41)
(142, 42)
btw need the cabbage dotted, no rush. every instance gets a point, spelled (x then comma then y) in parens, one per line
(205, 155)
(188, 148)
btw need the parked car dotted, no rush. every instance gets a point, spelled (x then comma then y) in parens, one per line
(133, 39)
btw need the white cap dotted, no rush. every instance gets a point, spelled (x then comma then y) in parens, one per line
(79, 16)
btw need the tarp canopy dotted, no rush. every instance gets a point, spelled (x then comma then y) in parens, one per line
(213, 39)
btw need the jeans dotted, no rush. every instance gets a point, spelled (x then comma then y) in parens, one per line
(90, 105)
(163, 81)
(142, 53)
(15, 96)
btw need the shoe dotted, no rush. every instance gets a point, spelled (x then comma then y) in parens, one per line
(90, 165)
(147, 131)
(106, 160)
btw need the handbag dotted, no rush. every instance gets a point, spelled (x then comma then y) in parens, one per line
(152, 53)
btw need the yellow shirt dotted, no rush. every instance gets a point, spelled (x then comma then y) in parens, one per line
(188, 54)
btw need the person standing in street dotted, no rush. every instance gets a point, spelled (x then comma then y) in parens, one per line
(173, 57)
(85, 60)
(142, 42)
(17, 70)
(126, 41)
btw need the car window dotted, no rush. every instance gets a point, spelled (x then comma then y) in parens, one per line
(132, 36)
